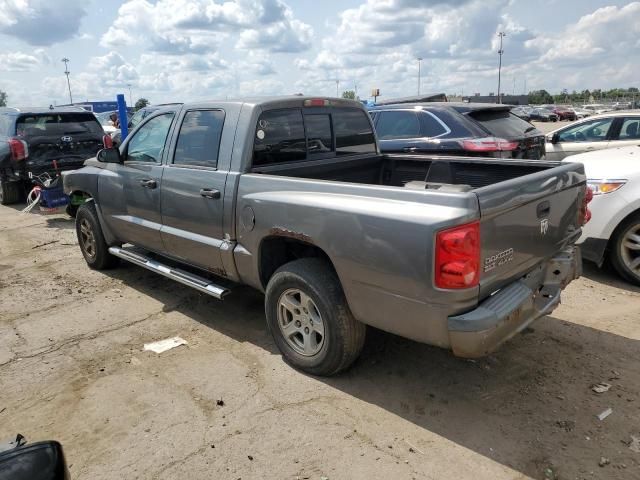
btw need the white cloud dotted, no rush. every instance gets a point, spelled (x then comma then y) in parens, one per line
(198, 26)
(41, 22)
(23, 62)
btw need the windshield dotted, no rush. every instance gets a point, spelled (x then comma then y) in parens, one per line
(57, 124)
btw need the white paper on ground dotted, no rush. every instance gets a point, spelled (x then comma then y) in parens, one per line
(164, 345)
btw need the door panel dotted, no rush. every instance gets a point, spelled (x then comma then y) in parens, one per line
(193, 191)
(130, 198)
(629, 134)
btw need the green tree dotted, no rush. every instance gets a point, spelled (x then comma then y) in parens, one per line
(141, 103)
(538, 97)
(3, 99)
(350, 94)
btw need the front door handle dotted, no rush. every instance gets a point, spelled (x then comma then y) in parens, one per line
(149, 183)
(409, 149)
(210, 193)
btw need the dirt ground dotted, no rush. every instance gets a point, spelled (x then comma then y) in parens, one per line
(225, 406)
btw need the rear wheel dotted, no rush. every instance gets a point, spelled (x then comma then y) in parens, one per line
(91, 239)
(310, 320)
(625, 253)
(10, 192)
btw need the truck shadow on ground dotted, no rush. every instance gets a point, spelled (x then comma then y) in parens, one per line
(529, 407)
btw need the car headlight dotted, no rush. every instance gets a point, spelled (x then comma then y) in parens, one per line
(601, 187)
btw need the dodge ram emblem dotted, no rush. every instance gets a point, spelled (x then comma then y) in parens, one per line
(544, 226)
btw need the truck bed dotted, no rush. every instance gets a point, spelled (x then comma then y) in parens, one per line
(400, 169)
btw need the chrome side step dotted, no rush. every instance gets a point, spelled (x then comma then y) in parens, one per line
(186, 278)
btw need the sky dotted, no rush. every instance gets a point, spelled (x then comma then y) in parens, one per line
(184, 50)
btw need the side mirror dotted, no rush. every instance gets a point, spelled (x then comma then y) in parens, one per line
(42, 460)
(109, 155)
(555, 138)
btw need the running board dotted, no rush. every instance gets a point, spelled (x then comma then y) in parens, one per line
(186, 278)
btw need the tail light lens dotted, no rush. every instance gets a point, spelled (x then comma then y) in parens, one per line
(457, 260)
(489, 144)
(19, 149)
(107, 141)
(584, 214)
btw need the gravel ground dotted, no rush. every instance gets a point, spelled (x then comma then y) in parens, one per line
(225, 406)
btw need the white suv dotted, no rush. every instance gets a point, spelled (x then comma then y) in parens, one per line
(614, 229)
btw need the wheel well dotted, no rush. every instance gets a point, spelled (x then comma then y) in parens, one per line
(619, 226)
(276, 251)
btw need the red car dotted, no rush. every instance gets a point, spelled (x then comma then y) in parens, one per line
(565, 113)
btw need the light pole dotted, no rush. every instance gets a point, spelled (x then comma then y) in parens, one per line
(65, 60)
(130, 103)
(500, 52)
(337, 88)
(419, 73)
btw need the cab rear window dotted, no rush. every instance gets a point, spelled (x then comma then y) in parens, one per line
(57, 124)
(295, 135)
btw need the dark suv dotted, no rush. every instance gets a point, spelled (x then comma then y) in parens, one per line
(36, 141)
(469, 129)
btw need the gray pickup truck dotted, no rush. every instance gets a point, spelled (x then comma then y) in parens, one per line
(292, 196)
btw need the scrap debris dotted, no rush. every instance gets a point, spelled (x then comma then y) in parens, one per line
(601, 387)
(634, 444)
(605, 414)
(164, 345)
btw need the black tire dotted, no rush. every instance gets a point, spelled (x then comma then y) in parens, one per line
(343, 337)
(617, 253)
(72, 210)
(10, 192)
(95, 251)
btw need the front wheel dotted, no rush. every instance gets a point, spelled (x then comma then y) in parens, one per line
(91, 239)
(308, 316)
(625, 252)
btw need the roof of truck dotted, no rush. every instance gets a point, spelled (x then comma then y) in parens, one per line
(461, 107)
(38, 110)
(278, 100)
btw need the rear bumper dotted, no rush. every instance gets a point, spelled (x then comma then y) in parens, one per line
(480, 331)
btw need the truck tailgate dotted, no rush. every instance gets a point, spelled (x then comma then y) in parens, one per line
(526, 220)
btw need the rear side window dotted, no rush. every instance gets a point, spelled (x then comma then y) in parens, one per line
(58, 124)
(199, 138)
(630, 129)
(5, 125)
(319, 137)
(398, 124)
(503, 123)
(431, 127)
(279, 138)
(353, 132)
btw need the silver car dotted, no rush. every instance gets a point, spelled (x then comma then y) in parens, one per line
(608, 130)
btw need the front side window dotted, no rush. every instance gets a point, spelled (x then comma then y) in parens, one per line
(630, 129)
(398, 124)
(136, 119)
(148, 143)
(279, 138)
(591, 131)
(353, 132)
(199, 138)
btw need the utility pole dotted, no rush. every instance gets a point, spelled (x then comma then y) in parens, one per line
(337, 88)
(65, 60)
(419, 73)
(130, 102)
(500, 52)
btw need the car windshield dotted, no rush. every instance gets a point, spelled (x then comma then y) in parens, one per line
(57, 124)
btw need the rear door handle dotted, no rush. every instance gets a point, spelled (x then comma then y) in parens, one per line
(409, 149)
(148, 183)
(210, 193)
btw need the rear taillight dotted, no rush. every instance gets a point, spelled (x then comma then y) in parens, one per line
(489, 144)
(107, 141)
(457, 260)
(585, 214)
(19, 149)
